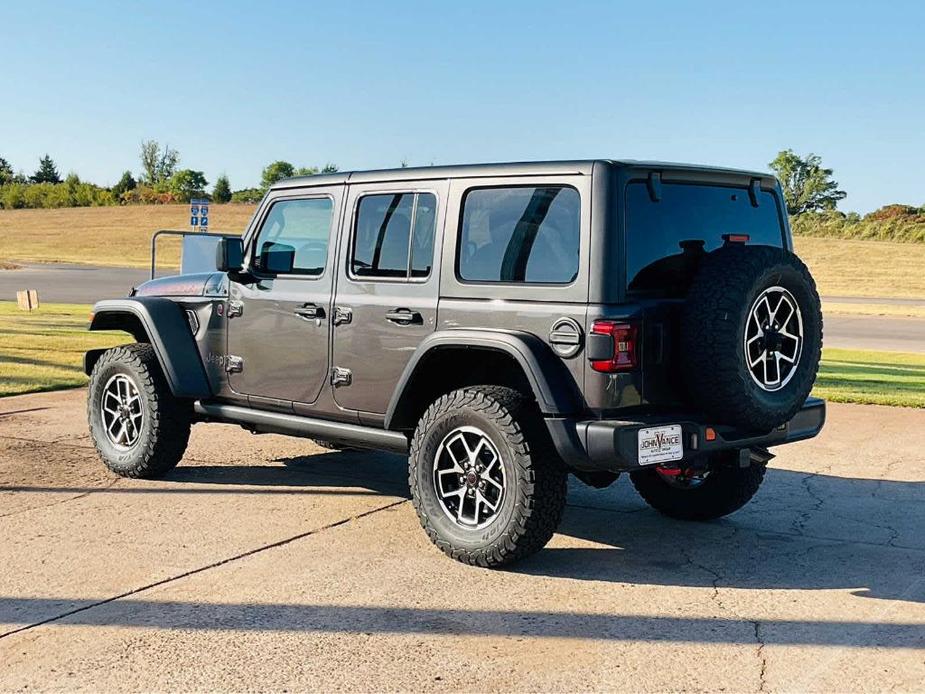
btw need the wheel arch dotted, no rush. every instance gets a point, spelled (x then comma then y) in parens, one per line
(160, 323)
(451, 359)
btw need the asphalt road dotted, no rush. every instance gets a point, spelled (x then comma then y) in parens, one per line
(262, 563)
(87, 284)
(70, 284)
(874, 332)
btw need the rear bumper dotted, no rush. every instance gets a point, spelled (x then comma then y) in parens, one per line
(612, 444)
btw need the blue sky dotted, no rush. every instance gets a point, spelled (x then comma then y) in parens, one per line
(235, 85)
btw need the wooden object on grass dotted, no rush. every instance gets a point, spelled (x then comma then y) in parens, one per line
(28, 299)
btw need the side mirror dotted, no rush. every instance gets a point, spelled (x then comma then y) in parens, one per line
(277, 258)
(229, 255)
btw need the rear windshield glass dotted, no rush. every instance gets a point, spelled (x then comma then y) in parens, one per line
(665, 239)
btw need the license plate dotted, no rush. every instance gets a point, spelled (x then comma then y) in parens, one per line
(660, 444)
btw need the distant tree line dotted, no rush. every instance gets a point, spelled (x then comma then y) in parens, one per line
(160, 181)
(810, 191)
(811, 194)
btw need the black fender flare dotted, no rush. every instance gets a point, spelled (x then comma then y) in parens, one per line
(161, 323)
(552, 384)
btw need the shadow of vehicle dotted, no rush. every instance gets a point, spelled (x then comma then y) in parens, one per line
(313, 618)
(377, 472)
(801, 532)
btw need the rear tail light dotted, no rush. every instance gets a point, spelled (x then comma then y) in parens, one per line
(625, 344)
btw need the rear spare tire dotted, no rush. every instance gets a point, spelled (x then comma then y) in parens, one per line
(717, 490)
(751, 336)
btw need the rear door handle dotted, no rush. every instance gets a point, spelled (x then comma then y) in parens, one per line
(309, 312)
(403, 316)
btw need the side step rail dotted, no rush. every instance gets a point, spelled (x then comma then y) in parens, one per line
(308, 427)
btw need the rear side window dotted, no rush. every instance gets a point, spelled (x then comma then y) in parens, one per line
(394, 236)
(665, 239)
(526, 234)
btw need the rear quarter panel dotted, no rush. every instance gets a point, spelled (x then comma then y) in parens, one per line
(532, 308)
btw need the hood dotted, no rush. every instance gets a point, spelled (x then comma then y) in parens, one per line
(196, 284)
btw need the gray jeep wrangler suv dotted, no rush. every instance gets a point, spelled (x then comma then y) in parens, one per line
(502, 324)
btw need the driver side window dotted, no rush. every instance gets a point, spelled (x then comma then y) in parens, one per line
(298, 227)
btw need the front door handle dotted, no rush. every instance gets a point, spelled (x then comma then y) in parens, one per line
(309, 312)
(403, 316)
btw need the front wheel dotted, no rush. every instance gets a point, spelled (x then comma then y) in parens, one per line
(703, 493)
(138, 427)
(484, 482)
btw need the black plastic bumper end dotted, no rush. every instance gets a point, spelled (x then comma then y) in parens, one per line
(613, 444)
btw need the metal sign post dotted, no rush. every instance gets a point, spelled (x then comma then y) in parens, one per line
(199, 214)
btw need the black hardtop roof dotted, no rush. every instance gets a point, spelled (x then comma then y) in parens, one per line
(581, 167)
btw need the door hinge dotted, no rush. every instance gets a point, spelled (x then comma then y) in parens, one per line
(235, 309)
(234, 364)
(341, 376)
(342, 315)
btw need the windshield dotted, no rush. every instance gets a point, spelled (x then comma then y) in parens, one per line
(666, 239)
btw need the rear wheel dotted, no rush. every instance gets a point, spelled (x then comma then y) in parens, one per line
(138, 427)
(485, 484)
(702, 493)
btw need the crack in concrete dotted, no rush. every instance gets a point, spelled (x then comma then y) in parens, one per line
(767, 531)
(54, 442)
(762, 681)
(62, 501)
(799, 523)
(201, 569)
(894, 533)
(716, 597)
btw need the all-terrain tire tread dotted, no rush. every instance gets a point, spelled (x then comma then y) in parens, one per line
(712, 358)
(725, 491)
(169, 418)
(542, 477)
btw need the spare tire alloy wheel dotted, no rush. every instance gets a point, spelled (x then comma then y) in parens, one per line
(773, 338)
(122, 412)
(751, 337)
(469, 478)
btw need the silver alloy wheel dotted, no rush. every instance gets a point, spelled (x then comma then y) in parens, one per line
(122, 412)
(469, 478)
(773, 338)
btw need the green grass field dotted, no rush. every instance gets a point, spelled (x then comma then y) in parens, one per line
(877, 378)
(43, 350)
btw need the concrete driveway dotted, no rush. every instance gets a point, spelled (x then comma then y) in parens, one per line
(263, 563)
